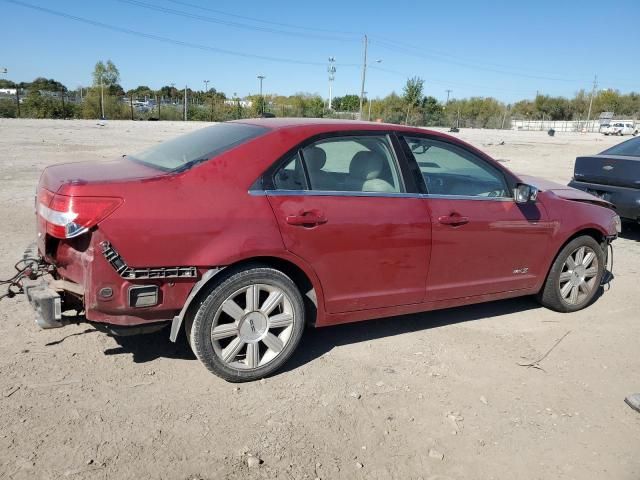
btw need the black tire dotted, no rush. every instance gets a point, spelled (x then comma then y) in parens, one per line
(199, 326)
(550, 295)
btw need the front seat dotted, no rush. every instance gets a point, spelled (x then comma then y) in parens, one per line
(364, 172)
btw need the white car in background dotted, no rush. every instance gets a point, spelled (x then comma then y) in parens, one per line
(621, 128)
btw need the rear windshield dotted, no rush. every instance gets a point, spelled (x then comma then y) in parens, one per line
(629, 148)
(187, 150)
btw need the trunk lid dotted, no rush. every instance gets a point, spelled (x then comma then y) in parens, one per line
(618, 170)
(83, 173)
(73, 197)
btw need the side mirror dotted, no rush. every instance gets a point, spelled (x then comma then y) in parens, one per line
(524, 193)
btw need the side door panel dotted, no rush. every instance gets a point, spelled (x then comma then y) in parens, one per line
(482, 241)
(372, 252)
(346, 205)
(501, 248)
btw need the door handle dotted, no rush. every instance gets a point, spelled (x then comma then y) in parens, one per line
(454, 220)
(307, 219)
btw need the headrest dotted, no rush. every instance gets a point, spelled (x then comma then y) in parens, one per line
(315, 157)
(366, 165)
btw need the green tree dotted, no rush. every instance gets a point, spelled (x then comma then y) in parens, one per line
(46, 85)
(7, 107)
(348, 103)
(412, 94)
(432, 111)
(105, 74)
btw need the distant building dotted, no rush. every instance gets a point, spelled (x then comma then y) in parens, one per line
(7, 91)
(243, 103)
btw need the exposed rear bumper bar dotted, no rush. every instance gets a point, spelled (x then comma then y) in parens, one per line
(46, 302)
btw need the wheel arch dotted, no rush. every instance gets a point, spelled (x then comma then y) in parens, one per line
(301, 274)
(597, 234)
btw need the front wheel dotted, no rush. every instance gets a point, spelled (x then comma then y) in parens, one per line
(575, 276)
(249, 325)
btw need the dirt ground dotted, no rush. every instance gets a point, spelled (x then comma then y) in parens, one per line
(434, 396)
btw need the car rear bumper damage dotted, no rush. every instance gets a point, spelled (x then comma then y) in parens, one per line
(46, 303)
(95, 285)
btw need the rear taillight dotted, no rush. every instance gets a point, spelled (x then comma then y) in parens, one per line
(68, 217)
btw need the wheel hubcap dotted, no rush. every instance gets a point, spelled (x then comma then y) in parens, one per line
(578, 276)
(252, 326)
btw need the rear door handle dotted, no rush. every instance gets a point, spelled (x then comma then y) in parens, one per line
(307, 219)
(454, 220)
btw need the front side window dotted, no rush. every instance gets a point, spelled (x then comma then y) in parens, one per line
(343, 164)
(451, 170)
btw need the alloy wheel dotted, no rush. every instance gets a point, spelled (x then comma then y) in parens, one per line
(252, 326)
(578, 276)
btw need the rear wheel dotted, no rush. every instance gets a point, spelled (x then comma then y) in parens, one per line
(249, 325)
(574, 278)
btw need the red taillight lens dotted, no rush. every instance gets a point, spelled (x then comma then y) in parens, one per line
(68, 217)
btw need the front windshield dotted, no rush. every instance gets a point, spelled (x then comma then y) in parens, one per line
(187, 150)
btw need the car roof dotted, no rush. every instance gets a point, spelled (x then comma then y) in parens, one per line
(328, 124)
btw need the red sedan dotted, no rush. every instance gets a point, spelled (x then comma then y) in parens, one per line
(242, 233)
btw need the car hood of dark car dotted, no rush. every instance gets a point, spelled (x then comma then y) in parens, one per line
(563, 191)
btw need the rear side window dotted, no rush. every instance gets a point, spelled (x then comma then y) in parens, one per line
(343, 164)
(187, 150)
(629, 148)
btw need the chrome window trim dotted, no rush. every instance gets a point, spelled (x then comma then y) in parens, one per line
(330, 193)
(468, 197)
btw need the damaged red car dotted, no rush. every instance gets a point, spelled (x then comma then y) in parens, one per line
(241, 234)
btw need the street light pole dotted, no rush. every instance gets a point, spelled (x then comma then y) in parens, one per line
(332, 75)
(206, 84)
(261, 78)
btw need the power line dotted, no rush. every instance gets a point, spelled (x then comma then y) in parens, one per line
(259, 20)
(167, 39)
(448, 82)
(228, 23)
(409, 50)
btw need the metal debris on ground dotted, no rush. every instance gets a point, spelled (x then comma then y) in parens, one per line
(536, 363)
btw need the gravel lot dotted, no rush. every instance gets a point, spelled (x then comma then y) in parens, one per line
(433, 396)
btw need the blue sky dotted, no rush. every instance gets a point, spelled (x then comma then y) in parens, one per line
(508, 50)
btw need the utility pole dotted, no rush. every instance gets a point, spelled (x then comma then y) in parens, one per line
(206, 84)
(18, 100)
(364, 74)
(593, 91)
(261, 78)
(332, 75)
(185, 103)
(448, 92)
